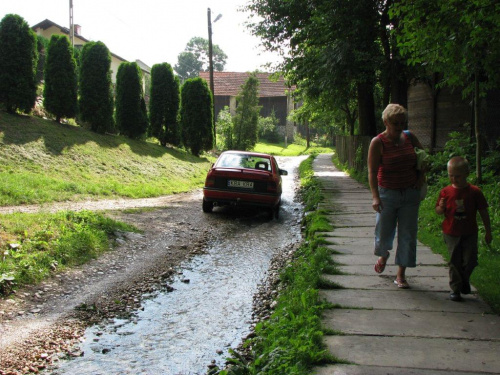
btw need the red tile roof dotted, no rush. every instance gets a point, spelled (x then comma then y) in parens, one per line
(229, 84)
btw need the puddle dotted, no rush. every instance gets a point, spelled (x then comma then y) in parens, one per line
(208, 312)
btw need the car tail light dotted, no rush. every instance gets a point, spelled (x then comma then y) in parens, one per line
(271, 187)
(210, 181)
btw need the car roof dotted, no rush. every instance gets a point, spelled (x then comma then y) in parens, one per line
(251, 153)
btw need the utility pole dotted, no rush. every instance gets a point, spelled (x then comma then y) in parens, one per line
(210, 60)
(71, 25)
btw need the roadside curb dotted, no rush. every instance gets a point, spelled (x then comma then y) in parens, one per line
(391, 331)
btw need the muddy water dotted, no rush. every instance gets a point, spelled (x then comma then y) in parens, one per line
(210, 309)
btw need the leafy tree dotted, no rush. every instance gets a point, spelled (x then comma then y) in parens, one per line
(164, 104)
(247, 114)
(60, 90)
(195, 58)
(268, 128)
(224, 129)
(197, 122)
(131, 116)
(328, 45)
(18, 63)
(96, 91)
(466, 33)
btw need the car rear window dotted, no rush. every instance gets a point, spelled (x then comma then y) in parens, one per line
(243, 161)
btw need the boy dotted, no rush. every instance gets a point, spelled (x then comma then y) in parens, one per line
(459, 203)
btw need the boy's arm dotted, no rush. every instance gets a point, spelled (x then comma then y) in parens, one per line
(485, 216)
(441, 206)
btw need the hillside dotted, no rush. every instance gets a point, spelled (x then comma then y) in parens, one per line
(42, 161)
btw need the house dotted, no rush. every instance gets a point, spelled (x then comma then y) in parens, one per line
(48, 28)
(274, 95)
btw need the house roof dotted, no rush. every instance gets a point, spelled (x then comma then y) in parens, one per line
(229, 84)
(45, 24)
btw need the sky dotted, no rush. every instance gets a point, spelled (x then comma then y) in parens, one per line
(153, 31)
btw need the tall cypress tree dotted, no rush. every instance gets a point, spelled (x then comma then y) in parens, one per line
(96, 90)
(197, 122)
(18, 62)
(164, 104)
(60, 90)
(247, 114)
(131, 117)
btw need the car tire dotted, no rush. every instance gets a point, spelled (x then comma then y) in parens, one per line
(277, 212)
(207, 206)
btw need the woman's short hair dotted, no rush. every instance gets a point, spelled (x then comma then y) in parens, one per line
(394, 110)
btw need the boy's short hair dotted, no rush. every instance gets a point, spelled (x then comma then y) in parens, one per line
(393, 110)
(459, 162)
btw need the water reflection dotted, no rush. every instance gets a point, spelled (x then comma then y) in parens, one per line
(209, 311)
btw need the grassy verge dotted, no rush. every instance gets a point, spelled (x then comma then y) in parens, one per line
(290, 342)
(290, 149)
(42, 161)
(35, 245)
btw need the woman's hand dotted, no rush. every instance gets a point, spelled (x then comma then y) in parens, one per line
(377, 204)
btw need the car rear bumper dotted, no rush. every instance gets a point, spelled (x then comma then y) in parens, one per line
(225, 197)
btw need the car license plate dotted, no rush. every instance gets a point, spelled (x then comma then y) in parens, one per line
(240, 184)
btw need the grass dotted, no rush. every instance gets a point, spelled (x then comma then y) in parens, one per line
(35, 245)
(42, 161)
(291, 149)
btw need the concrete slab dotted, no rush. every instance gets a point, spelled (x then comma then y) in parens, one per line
(357, 249)
(377, 370)
(391, 269)
(403, 299)
(370, 259)
(407, 323)
(359, 232)
(386, 282)
(422, 353)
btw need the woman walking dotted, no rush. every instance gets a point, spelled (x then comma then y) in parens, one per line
(395, 184)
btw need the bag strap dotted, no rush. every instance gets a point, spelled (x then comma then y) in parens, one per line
(410, 135)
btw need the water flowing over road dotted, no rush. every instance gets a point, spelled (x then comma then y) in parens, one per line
(209, 310)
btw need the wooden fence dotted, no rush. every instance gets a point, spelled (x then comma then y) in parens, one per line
(353, 150)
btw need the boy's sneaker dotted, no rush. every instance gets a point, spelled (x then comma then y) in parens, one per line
(455, 297)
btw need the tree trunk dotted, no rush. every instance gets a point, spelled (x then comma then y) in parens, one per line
(478, 130)
(366, 109)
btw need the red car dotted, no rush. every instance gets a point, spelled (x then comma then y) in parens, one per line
(244, 178)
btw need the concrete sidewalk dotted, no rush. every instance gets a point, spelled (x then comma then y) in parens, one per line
(386, 330)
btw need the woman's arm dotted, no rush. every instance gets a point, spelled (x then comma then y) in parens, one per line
(374, 154)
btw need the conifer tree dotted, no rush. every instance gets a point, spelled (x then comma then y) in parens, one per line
(164, 104)
(131, 116)
(18, 63)
(197, 122)
(60, 90)
(96, 90)
(247, 115)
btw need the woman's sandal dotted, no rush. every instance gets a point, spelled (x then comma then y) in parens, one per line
(402, 284)
(379, 266)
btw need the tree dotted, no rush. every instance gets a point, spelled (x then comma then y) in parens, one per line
(328, 45)
(195, 58)
(96, 90)
(459, 39)
(197, 122)
(131, 116)
(60, 89)
(42, 47)
(164, 104)
(247, 114)
(224, 128)
(18, 63)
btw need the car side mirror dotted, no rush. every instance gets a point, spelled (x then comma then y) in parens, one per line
(283, 172)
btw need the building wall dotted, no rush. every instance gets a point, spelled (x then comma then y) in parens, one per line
(47, 33)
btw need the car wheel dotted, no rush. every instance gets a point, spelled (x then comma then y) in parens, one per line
(207, 206)
(277, 212)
